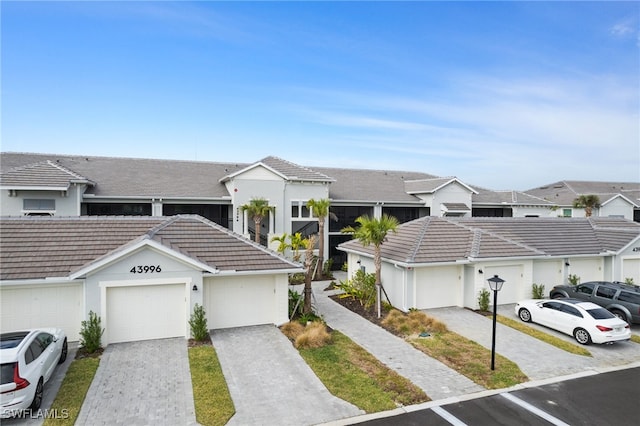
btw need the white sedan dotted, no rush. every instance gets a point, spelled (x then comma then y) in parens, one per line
(28, 360)
(585, 321)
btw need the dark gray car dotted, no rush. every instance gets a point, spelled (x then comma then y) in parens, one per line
(623, 300)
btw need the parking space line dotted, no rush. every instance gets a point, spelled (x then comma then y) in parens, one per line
(538, 412)
(448, 416)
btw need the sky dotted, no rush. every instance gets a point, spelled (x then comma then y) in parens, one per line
(503, 95)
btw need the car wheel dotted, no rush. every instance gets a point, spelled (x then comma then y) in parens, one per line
(37, 397)
(524, 315)
(558, 296)
(619, 314)
(63, 354)
(582, 336)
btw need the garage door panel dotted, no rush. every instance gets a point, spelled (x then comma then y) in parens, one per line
(236, 302)
(43, 306)
(146, 312)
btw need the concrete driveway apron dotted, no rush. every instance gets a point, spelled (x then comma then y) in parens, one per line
(270, 383)
(141, 383)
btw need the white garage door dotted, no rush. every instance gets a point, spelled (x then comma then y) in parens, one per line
(631, 269)
(437, 287)
(43, 306)
(145, 312)
(239, 301)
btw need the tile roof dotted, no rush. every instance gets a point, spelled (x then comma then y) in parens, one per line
(45, 174)
(371, 186)
(136, 177)
(489, 197)
(433, 239)
(294, 171)
(564, 192)
(41, 247)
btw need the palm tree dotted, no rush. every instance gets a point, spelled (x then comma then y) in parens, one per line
(297, 242)
(373, 231)
(283, 245)
(320, 209)
(309, 244)
(258, 209)
(588, 203)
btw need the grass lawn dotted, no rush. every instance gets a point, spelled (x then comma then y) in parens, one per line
(211, 396)
(73, 390)
(354, 375)
(545, 337)
(470, 359)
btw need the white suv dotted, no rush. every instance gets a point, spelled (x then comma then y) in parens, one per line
(28, 360)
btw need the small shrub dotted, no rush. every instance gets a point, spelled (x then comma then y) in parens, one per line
(91, 333)
(361, 287)
(292, 329)
(295, 303)
(573, 279)
(537, 291)
(326, 269)
(345, 267)
(295, 279)
(483, 299)
(414, 322)
(629, 280)
(315, 335)
(198, 323)
(304, 319)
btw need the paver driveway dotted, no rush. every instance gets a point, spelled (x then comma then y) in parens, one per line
(270, 383)
(141, 383)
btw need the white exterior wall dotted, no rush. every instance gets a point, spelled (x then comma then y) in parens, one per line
(118, 274)
(451, 193)
(67, 202)
(627, 264)
(617, 207)
(534, 211)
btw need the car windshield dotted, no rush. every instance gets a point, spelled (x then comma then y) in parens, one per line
(600, 313)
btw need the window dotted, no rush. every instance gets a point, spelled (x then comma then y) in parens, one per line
(33, 352)
(116, 209)
(605, 292)
(627, 296)
(585, 289)
(7, 373)
(38, 205)
(553, 305)
(403, 214)
(570, 310)
(347, 216)
(45, 340)
(567, 212)
(600, 313)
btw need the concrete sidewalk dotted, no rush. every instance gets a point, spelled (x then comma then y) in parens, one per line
(436, 379)
(270, 383)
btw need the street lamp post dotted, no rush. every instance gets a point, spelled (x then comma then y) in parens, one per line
(495, 284)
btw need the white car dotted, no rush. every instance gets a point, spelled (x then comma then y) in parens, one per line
(28, 360)
(585, 321)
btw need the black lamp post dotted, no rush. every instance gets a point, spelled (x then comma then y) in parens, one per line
(495, 284)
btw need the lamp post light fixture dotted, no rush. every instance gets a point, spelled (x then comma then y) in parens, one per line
(495, 284)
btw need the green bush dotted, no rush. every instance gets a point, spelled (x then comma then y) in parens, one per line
(361, 287)
(537, 291)
(295, 303)
(297, 278)
(91, 333)
(483, 300)
(573, 279)
(198, 323)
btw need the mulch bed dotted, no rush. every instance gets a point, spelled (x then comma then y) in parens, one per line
(355, 306)
(206, 342)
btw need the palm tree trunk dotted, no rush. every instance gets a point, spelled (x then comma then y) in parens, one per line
(377, 261)
(257, 222)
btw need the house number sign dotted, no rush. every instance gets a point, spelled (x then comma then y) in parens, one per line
(145, 269)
